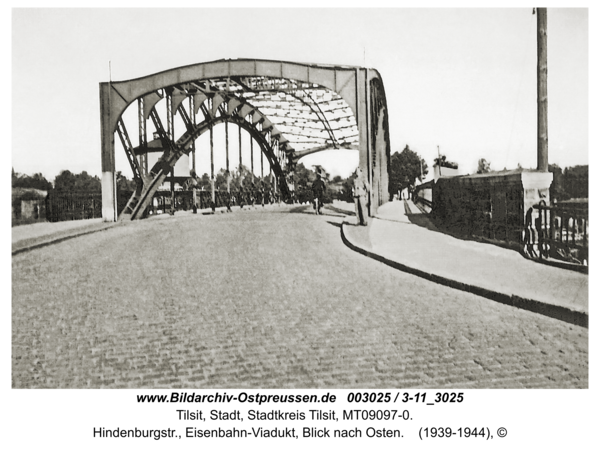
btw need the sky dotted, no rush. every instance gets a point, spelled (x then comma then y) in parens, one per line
(463, 80)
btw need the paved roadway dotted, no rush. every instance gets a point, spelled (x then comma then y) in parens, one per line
(264, 299)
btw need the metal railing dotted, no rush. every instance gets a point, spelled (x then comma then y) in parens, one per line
(423, 194)
(558, 232)
(66, 206)
(184, 199)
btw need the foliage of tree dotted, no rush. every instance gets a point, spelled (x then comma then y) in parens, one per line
(301, 177)
(557, 190)
(405, 169)
(483, 166)
(576, 181)
(221, 180)
(570, 183)
(347, 186)
(124, 184)
(302, 181)
(240, 178)
(83, 182)
(205, 181)
(37, 181)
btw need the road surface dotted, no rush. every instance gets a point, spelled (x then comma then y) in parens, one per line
(264, 299)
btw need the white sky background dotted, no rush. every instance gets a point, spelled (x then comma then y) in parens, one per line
(463, 79)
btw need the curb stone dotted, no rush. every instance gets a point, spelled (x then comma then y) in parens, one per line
(561, 313)
(58, 239)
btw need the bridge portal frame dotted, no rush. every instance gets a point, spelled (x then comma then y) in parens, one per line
(360, 87)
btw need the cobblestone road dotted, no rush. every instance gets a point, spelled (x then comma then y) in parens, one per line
(264, 299)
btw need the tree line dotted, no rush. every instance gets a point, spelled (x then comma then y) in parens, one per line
(65, 181)
(241, 178)
(406, 167)
(570, 183)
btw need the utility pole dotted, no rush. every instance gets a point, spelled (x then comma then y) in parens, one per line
(542, 90)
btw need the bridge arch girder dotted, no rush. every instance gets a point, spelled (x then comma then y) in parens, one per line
(227, 83)
(235, 107)
(123, 93)
(264, 144)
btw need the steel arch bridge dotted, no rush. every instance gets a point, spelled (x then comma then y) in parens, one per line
(290, 109)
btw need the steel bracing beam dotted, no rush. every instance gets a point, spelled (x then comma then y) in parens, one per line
(135, 168)
(136, 207)
(133, 162)
(312, 106)
(143, 139)
(140, 200)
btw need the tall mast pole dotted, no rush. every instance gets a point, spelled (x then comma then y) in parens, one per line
(542, 90)
(439, 164)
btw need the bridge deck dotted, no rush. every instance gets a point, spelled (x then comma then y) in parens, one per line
(264, 299)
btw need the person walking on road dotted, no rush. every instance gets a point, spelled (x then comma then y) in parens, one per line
(360, 197)
(318, 188)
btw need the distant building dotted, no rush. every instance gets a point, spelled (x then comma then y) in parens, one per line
(28, 204)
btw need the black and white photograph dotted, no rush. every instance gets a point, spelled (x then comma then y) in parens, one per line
(363, 202)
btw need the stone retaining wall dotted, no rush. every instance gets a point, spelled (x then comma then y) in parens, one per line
(490, 205)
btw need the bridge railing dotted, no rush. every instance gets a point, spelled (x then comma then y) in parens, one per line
(66, 206)
(424, 194)
(184, 199)
(558, 232)
(489, 207)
